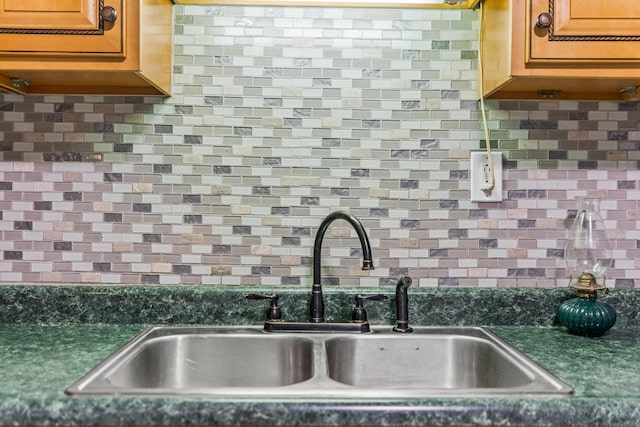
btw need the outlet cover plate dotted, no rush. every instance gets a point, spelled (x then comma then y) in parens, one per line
(480, 177)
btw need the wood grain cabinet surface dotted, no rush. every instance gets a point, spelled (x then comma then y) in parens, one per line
(562, 49)
(72, 47)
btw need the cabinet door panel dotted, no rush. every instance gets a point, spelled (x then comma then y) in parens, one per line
(601, 9)
(36, 15)
(60, 27)
(584, 31)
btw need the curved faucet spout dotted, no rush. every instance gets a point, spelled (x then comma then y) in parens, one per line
(316, 309)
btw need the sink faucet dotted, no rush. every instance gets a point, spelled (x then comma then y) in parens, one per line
(359, 322)
(316, 308)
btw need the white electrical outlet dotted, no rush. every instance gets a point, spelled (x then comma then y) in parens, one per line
(480, 177)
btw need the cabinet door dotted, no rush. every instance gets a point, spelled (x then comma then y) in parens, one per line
(60, 27)
(586, 31)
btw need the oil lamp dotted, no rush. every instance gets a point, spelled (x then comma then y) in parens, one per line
(587, 254)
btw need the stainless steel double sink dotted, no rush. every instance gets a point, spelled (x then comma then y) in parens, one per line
(244, 362)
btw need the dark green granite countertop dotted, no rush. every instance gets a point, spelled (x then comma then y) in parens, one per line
(50, 336)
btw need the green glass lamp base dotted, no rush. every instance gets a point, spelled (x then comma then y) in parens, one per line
(586, 316)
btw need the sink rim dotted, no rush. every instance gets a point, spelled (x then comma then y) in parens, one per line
(320, 385)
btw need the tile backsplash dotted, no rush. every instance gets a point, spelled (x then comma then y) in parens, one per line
(280, 115)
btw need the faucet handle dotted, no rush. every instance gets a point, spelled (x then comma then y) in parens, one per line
(273, 312)
(359, 314)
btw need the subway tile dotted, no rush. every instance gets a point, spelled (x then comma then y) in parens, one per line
(264, 138)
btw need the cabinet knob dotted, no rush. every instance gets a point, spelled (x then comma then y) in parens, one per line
(544, 20)
(109, 14)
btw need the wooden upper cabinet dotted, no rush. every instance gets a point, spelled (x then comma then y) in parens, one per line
(75, 47)
(560, 49)
(60, 27)
(585, 30)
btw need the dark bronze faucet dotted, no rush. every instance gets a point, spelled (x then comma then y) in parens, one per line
(316, 308)
(359, 322)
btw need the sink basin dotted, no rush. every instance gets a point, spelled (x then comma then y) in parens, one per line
(443, 360)
(197, 360)
(245, 362)
(166, 360)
